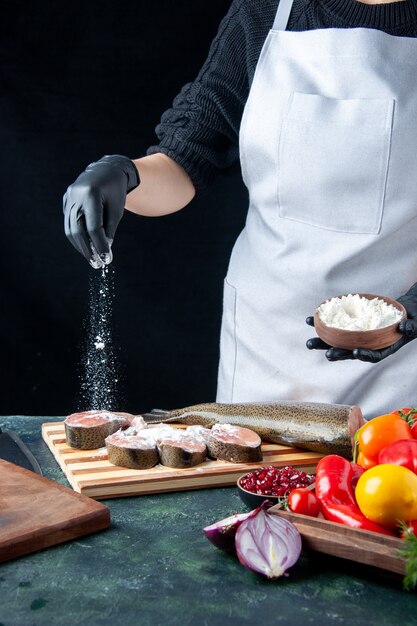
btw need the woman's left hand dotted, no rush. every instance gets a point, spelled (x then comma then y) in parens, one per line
(407, 328)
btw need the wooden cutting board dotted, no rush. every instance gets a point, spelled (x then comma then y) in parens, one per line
(362, 546)
(90, 473)
(36, 513)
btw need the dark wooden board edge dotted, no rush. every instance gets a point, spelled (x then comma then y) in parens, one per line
(54, 535)
(362, 546)
(92, 504)
(96, 518)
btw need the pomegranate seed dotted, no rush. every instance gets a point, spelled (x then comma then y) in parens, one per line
(274, 481)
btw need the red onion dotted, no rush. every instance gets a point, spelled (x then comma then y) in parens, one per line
(222, 533)
(267, 544)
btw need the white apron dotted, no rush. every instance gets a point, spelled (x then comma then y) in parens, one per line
(328, 147)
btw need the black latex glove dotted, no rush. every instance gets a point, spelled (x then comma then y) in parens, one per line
(94, 205)
(408, 329)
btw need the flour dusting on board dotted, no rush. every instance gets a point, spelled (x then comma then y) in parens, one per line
(100, 370)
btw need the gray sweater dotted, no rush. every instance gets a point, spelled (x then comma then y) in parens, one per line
(200, 131)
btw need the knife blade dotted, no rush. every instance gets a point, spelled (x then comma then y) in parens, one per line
(13, 449)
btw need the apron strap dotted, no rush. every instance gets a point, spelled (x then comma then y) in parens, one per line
(282, 14)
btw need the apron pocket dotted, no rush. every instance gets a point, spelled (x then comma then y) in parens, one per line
(333, 162)
(227, 365)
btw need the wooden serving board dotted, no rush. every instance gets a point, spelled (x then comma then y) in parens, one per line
(90, 473)
(362, 546)
(36, 513)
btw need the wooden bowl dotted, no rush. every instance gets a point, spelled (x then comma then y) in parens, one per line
(350, 339)
(253, 500)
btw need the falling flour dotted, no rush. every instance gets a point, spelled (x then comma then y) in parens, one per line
(100, 371)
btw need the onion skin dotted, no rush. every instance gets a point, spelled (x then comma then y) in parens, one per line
(222, 533)
(267, 544)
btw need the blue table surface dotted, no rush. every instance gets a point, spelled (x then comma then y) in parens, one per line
(154, 566)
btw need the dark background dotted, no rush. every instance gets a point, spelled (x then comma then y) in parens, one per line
(79, 80)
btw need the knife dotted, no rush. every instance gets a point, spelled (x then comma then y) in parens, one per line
(13, 449)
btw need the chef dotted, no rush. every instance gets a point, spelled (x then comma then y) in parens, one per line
(318, 100)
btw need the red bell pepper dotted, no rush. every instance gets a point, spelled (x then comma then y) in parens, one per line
(334, 491)
(357, 471)
(402, 452)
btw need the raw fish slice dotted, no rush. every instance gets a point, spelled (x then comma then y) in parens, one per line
(132, 451)
(199, 432)
(181, 450)
(87, 430)
(234, 444)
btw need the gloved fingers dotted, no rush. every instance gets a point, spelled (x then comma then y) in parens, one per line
(408, 328)
(310, 320)
(65, 202)
(339, 354)
(374, 356)
(67, 212)
(93, 213)
(67, 227)
(78, 234)
(70, 215)
(111, 222)
(409, 299)
(315, 343)
(332, 353)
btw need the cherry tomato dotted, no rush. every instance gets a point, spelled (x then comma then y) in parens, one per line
(304, 501)
(404, 412)
(387, 494)
(410, 415)
(379, 432)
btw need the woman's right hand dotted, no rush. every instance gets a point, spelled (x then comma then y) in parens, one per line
(94, 205)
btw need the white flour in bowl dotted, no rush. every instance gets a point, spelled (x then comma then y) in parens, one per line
(354, 312)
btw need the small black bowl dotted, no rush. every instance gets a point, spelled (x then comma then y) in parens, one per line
(253, 500)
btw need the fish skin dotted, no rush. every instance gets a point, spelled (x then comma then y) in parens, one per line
(132, 458)
(173, 455)
(85, 437)
(234, 453)
(315, 426)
